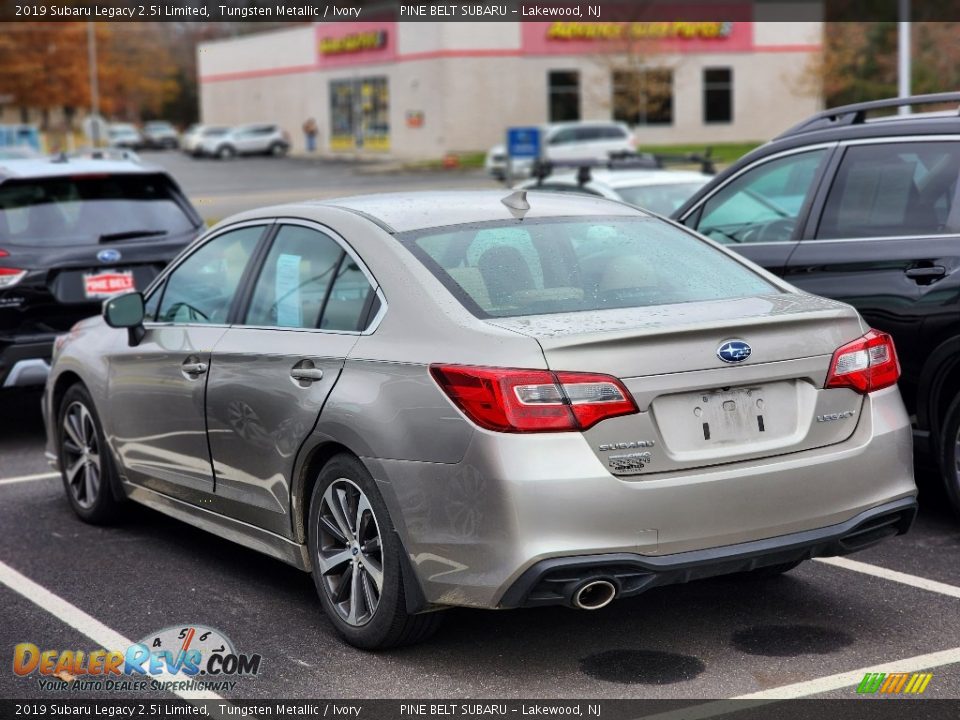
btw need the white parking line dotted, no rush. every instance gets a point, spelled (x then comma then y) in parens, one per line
(808, 688)
(28, 478)
(77, 619)
(895, 576)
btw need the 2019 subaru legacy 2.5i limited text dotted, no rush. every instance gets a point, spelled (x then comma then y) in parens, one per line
(437, 399)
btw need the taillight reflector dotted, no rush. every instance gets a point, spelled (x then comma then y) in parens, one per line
(519, 401)
(868, 363)
(10, 276)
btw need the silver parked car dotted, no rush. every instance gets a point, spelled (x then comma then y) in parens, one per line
(438, 399)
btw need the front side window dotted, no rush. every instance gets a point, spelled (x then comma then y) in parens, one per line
(537, 267)
(762, 204)
(202, 288)
(564, 137)
(894, 189)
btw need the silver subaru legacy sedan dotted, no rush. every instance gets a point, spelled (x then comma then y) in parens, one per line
(485, 400)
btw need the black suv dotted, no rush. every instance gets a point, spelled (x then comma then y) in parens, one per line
(72, 232)
(865, 210)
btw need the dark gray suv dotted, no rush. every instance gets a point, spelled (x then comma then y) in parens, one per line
(865, 210)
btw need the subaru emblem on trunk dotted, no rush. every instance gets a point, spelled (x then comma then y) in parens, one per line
(734, 351)
(108, 256)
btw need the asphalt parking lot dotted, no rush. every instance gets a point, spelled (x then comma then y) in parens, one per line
(805, 634)
(220, 188)
(811, 633)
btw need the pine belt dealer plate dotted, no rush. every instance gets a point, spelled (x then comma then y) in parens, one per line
(107, 284)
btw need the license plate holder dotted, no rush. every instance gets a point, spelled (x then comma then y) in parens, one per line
(731, 414)
(107, 283)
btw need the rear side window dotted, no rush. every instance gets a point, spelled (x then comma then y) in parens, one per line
(894, 189)
(90, 209)
(308, 281)
(585, 264)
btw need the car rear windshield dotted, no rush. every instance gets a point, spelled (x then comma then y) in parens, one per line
(90, 209)
(661, 199)
(537, 267)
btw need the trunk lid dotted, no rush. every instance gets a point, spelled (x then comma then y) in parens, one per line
(695, 409)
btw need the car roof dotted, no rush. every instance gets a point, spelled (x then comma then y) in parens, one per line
(403, 212)
(627, 178)
(55, 167)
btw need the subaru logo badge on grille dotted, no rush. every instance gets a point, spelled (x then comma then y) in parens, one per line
(109, 256)
(734, 351)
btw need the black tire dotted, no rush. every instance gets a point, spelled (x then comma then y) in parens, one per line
(768, 571)
(226, 153)
(89, 487)
(277, 150)
(950, 455)
(388, 624)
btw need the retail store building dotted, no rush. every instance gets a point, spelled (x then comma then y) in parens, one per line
(422, 89)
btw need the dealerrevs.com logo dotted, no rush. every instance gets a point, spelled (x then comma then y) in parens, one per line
(177, 658)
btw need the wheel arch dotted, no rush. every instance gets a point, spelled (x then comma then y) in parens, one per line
(939, 384)
(308, 467)
(66, 380)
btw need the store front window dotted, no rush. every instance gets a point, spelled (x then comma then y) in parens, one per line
(643, 97)
(360, 114)
(717, 95)
(564, 95)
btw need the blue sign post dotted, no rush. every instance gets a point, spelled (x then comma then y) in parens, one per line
(522, 142)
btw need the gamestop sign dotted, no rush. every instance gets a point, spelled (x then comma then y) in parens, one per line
(354, 43)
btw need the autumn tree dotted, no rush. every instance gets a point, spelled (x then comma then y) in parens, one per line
(859, 60)
(45, 67)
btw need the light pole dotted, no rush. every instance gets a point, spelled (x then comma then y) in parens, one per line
(94, 84)
(903, 54)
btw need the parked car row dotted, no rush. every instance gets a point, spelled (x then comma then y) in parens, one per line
(224, 142)
(158, 135)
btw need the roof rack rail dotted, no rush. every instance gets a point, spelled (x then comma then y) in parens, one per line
(856, 114)
(623, 160)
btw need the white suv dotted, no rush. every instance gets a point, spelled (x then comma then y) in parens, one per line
(588, 140)
(259, 139)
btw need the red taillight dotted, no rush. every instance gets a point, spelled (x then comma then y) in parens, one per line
(518, 401)
(868, 363)
(10, 276)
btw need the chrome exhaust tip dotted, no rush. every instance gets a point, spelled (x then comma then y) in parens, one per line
(594, 595)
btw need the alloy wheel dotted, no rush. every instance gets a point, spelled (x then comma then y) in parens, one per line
(350, 553)
(82, 464)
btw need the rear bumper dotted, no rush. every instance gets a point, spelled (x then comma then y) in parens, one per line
(25, 363)
(472, 529)
(552, 582)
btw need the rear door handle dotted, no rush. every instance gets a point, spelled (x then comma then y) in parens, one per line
(933, 272)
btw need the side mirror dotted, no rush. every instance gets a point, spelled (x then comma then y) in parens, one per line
(126, 311)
